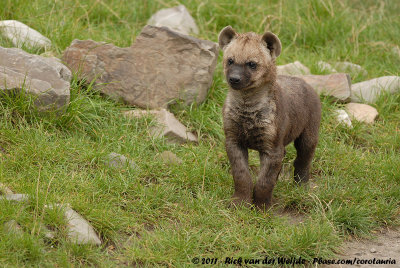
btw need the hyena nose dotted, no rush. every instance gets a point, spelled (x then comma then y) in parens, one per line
(234, 79)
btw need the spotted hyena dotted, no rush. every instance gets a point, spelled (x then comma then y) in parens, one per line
(264, 111)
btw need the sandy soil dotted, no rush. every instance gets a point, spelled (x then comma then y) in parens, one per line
(385, 246)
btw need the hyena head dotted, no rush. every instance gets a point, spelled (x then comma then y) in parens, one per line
(249, 58)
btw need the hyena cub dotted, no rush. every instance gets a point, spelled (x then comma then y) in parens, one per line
(264, 112)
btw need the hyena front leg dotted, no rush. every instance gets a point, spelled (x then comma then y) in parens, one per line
(270, 166)
(238, 158)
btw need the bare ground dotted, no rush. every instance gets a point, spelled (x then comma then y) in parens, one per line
(385, 246)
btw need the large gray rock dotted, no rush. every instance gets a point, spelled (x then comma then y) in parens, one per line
(45, 78)
(370, 90)
(160, 67)
(335, 85)
(361, 112)
(176, 18)
(21, 34)
(167, 125)
(295, 68)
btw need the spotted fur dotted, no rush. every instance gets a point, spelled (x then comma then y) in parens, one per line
(264, 112)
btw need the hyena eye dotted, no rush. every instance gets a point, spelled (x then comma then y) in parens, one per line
(252, 65)
(230, 61)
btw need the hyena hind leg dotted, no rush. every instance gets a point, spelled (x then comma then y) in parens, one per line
(305, 145)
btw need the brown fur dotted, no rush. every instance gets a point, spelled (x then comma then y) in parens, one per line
(264, 112)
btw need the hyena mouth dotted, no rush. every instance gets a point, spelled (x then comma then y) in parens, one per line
(236, 86)
(241, 86)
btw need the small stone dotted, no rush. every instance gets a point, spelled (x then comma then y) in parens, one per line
(168, 126)
(5, 190)
(47, 232)
(15, 197)
(361, 112)
(21, 34)
(176, 18)
(57, 206)
(335, 85)
(343, 117)
(79, 230)
(373, 250)
(120, 161)
(350, 68)
(396, 51)
(169, 158)
(295, 68)
(326, 67)
(370, 90)
(12, 227)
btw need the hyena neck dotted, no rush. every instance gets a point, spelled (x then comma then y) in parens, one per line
(255, 97)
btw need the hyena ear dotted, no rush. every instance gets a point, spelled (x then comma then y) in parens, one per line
(273, 44)
(226, 36)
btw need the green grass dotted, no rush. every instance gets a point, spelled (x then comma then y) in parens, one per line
(167, 215)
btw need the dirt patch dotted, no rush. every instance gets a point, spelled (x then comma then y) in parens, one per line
(385, 246)
(290, 216)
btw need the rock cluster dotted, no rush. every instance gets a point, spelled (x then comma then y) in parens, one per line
(78, 229)
(163, 65)
(337, 84)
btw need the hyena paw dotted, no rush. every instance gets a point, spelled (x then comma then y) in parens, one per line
(238, 201)
(263, 206)
(301, 176)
